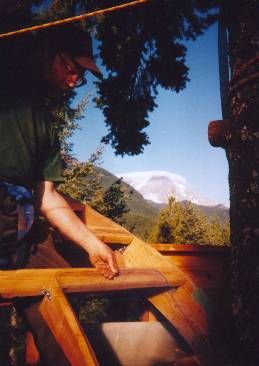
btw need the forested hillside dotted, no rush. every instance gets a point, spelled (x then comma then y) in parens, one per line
(177, 222)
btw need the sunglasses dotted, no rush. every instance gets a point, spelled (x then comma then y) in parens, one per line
(73, 68)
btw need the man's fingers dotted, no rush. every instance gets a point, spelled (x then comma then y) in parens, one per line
(106, 272)
(107, 266)
(113, 264)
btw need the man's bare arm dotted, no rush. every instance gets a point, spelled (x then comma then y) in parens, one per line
(59, 214)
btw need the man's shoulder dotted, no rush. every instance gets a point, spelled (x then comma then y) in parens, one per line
(15, 104)
(26, 113)
(37, 107)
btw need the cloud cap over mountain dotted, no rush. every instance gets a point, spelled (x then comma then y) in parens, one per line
(159, 185)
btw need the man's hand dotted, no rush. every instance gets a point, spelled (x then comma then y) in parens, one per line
(103, 259)
(57, 211)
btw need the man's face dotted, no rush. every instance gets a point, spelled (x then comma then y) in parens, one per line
(65, 73)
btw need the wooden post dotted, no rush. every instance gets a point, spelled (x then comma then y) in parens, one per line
(64, 325)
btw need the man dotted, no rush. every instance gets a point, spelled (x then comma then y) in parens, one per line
(30, 166)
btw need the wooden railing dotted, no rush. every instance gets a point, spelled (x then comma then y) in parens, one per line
(174, 294)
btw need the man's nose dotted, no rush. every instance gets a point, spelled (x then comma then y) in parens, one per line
(74, 77)
(72, 80)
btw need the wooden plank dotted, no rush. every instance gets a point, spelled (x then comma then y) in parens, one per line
(64, 325)
(104, 228)
(110, 237)
(194, 262)
(31, 282)
(179, 307)
(94, 218)
(207, 267)
(190, 248)
(110, 230)
(129, 279)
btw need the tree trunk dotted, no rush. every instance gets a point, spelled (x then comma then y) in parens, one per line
(242, 151)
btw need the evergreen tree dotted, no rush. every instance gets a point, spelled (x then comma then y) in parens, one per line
(194, 226)
(81, 180)
(112, 202)
(140, 225)
(182, 223)
(218, 233)
(142, 48)
(226, 233)
(169, 223)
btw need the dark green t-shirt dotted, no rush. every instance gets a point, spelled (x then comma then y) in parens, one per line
(29, 147)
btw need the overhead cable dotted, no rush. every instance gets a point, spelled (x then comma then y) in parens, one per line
(73, 19)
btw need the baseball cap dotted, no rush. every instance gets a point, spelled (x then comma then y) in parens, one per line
(78, 44)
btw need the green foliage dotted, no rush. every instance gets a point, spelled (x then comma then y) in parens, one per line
(218, 233)
(135, 201)
(81, 181)
(66, 122)
(167, 229)
(113, 202)
(93, 309)
(186, 224)
(139, 224)
(142, 218)
(96, 309)
(194, 226)
(142, 48)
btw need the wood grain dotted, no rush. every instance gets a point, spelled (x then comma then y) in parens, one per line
(33, 282)
(64, 325)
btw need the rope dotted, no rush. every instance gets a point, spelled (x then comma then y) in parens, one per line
(73, 19)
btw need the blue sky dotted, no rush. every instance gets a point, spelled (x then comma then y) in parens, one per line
(178, 128)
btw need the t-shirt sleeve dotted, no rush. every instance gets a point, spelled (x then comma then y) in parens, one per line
(52, 168)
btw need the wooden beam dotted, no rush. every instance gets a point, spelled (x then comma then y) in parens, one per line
(33, 282)
(179, 249)
(64, 325)
(111, 237)
(105, 229)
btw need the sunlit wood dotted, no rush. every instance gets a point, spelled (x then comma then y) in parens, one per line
(34, 282)
(64, 325)
(172, 282)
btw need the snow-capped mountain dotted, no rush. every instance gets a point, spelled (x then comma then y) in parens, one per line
(158, 186)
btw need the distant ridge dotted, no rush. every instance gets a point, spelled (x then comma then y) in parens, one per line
(150, 209)
(136, 202)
